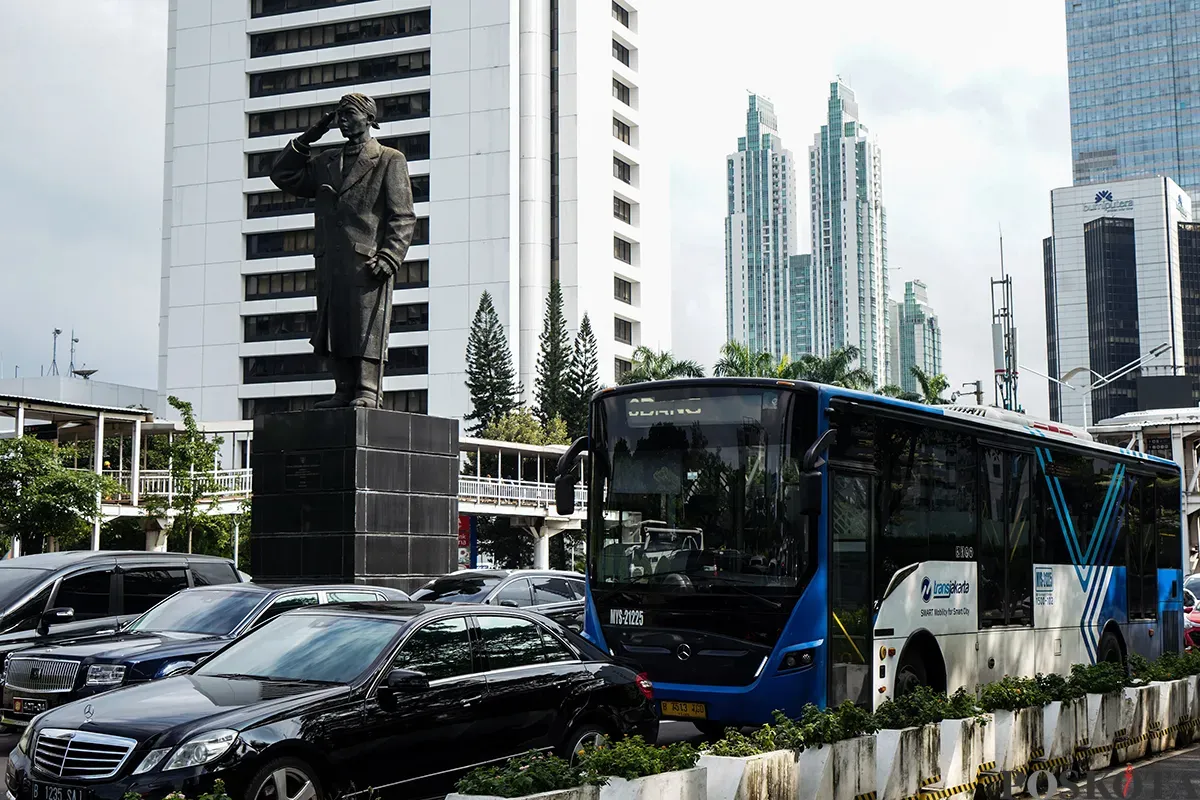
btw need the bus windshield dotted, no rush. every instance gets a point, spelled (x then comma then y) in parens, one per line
(689, 484)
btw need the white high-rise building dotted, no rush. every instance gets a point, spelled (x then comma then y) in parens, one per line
(849, 238)
(522, 124)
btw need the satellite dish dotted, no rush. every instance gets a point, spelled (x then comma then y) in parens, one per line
(86, 373)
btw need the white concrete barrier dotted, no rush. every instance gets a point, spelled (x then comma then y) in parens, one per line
(1020, 737)
(1066, 732)
(840, 771)
(1175, 708)
(580, 793)
(1103, 723)
(1141, 722)
(968, 746)
(767, 776)
(906, 760)
(688, 784)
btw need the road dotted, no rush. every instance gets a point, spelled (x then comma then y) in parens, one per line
(7, 742)
(671, 731)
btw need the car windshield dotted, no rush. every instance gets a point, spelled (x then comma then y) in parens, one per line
(457, 589)
(16, 581)
(316, 648)
(211, 612)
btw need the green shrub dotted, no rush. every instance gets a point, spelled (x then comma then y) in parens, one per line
(1099, 678)
(921, 706)
(1058, 688)
(825, 726)
(963, 705)
(633, 758)
(528, 774)
(1013, 693)
(735, 744)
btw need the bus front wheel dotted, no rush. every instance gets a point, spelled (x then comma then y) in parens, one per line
(1110, 649)
(910, 674)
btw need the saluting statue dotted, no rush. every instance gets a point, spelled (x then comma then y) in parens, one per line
(365, 221)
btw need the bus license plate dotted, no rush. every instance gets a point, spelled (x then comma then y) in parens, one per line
(670, 708)
(23, 706)
(46, 791)
(626, 616)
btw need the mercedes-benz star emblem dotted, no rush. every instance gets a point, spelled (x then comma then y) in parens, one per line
(683, 652)
(88, 711)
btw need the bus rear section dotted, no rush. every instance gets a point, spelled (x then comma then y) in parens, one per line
(698, 571)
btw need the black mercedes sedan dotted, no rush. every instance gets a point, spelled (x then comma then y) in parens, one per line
(557, 594)
(168, 639)
(394, 700)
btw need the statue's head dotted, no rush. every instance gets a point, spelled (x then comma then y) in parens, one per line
(355, 114)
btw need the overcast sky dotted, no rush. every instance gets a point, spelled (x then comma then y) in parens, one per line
(968, 102)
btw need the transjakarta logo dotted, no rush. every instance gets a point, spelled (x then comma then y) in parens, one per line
(939, 590)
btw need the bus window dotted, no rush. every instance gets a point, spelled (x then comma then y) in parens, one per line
(1006, 554)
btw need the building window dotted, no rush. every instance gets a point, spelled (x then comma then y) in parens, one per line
(622, 170)
(415, 147)
(355, 31)
(271, 8)
(620, 367)
(623, 330)
(295, 120)
(620, 52)
(414, 401)
(343, 73)
(303, 325)
(620, 91)
(413, 275)
(278, 285)
(275, 244)
(276, 204)
(410, 317)
(622, 210)
(622, 250)
(622, 290)
(308, 367)
(620, 14)
(621, 130)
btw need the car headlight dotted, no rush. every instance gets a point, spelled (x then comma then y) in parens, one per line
(26, 739)
(105, 674)
(202, 749)
(152, 760)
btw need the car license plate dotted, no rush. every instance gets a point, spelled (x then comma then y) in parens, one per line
(46, 791)
(626, 616)
(24, 706)
(670, 708)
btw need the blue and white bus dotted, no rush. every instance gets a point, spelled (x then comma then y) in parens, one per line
(758, 545)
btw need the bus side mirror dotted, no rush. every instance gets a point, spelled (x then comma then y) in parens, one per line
(564, 478)
(803, 497)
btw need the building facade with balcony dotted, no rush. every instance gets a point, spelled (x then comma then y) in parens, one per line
(522, 124)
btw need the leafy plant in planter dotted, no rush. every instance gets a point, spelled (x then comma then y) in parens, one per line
(1058, 688)
(531, 773)
(919, 707)
(1099, 678)
(632, 758)
(825, 726)
(1013, 693)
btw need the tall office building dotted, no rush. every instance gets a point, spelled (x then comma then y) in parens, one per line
(893, 365)
(849, 235)
(760, 235)
(1134, 68)
(522, 124)
(919, 337)
(801, 301)
(1116, 291)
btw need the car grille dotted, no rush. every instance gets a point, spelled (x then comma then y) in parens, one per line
(41, 674)
(76, 754)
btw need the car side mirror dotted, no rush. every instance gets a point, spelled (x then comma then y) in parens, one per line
(405, 681)
(509, 604)
(54, 616)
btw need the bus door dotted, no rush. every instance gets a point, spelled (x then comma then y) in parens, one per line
(851, 533)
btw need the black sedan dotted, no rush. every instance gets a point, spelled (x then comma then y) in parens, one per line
(169, 638)
(394, 700)
(557, 594)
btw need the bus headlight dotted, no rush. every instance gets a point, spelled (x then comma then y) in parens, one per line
(798, 659)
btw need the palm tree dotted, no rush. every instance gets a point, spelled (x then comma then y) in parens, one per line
(932, 386)
(837, 369)
(739, 361)
(892, 390)
(651, 365)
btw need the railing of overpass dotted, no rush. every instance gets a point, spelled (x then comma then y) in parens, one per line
(500, 492)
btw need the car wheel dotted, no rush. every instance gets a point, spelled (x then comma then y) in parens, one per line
(582, 737)
(285, 779)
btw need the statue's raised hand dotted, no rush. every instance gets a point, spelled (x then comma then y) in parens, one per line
(318, 130)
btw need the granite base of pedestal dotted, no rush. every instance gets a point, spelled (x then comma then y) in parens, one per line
(354, 496)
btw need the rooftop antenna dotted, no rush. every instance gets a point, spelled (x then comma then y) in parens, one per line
(1004, 338)
(54, 356)
(74, 341)
(86, 374)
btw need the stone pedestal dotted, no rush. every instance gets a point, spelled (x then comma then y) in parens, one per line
(354, 495)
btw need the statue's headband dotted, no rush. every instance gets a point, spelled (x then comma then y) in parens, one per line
(364, 104)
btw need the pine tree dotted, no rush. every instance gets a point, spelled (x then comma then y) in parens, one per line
(551, 388)
(491, 378)
(584, 380)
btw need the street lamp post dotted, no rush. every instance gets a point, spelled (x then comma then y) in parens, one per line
(1102, 380)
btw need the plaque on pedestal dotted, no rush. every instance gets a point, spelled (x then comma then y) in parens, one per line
(354, 495)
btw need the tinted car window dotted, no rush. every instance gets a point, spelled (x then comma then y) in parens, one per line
(510, 642)
(515, 593)
(16, 582)
(551, 590)
(146, 588)
(214, 613)
(213, 573)
(307, 647)
(86, 593)
(26, 616)
(352, 597)
(440, 649)
(579, 588)
(287, 603)
(457, 589)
